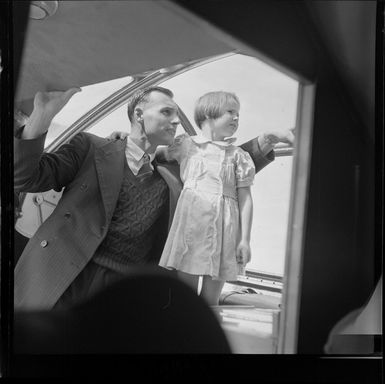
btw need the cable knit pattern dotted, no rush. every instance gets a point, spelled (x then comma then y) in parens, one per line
(131, 234)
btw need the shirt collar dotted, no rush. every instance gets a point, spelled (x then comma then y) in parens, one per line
(134, 155)
(200, 139)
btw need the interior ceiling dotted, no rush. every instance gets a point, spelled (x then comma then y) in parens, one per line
(348, 31)
(87, 42)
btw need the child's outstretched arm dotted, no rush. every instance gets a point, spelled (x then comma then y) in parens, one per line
(261, 148)
(245, 202)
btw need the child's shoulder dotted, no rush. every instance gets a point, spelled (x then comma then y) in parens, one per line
(181, 140)
(240, 155)
(182, 137)
(179, 148)
(238, 151)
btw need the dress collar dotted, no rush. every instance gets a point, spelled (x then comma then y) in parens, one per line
(200, 139)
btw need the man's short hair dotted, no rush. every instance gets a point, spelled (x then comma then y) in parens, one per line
(142, 96)
(212, 104)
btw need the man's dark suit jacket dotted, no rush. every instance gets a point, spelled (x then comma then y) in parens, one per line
(91, 170)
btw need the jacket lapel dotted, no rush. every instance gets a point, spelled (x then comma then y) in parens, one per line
(109, 162)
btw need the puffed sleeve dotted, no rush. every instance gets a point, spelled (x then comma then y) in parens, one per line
(179, 148)
(245, 170)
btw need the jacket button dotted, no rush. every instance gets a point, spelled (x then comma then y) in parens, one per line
(67, 215)
(44, 243)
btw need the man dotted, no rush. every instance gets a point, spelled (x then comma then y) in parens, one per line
(117, 203)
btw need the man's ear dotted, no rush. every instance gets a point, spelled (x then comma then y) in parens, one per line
(138, 114)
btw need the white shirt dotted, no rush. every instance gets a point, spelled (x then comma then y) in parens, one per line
(134, 156)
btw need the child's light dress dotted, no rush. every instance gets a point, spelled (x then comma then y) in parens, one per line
(204, 233)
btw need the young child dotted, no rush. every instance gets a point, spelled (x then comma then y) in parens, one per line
(210, 232)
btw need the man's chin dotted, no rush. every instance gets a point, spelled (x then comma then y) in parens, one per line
(168, 140)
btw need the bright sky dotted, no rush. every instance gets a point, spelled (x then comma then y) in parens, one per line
(82, 102)
(268, 97)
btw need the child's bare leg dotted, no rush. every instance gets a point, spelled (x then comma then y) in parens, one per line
(191, 280)
(211, 290)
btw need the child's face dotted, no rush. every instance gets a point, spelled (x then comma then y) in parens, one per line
(226, 124)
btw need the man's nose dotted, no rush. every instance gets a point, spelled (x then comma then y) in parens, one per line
(236, 117)
(175, 120)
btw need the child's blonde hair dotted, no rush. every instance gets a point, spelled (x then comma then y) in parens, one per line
(212, 104)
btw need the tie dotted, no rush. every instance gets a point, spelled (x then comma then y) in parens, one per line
(145, 170)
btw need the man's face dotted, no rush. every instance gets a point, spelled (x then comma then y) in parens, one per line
(160, 118)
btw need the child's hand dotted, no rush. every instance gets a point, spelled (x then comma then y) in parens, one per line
(243, 253)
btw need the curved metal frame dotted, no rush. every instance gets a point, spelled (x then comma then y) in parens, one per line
(119, 97)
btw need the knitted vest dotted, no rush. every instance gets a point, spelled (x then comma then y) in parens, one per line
(132, 230)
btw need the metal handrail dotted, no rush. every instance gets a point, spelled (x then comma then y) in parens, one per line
(264, 275)
(283, 151)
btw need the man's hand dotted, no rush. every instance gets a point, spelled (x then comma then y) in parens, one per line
(280, 136)
(118, 135)
(46, 106)
(51, 103)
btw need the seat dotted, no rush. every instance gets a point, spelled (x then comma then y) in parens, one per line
(249, 296)
(150, 312)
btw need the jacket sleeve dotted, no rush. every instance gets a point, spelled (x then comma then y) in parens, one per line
(36, 171)
(260, 160)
